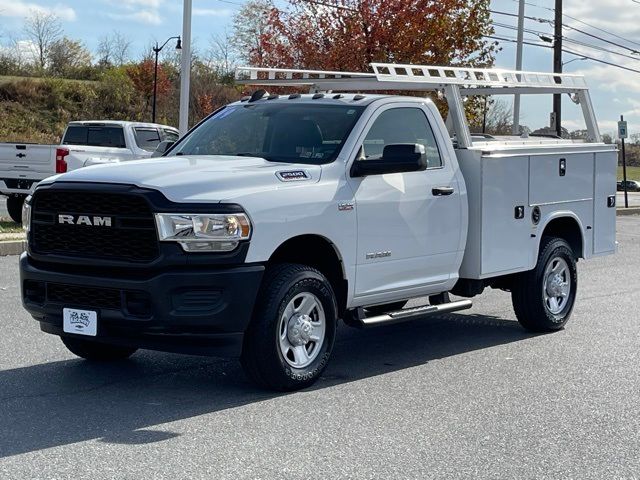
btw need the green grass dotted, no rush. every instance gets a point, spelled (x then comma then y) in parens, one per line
(9, 227)
(633, 173)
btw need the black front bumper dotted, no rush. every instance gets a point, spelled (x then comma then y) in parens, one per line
(191, 309)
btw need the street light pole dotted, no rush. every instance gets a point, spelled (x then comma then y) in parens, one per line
(185, 69)
(157, 49)
(516, 100)
(155, 84)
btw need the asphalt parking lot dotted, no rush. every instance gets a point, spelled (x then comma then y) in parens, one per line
(466, 395)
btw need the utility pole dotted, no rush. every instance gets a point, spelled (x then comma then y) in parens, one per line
(557, 66)
(516, 100)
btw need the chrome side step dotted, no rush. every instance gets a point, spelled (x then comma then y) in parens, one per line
(397, 316)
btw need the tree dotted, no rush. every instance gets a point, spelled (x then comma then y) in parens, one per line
(223, 56)
(497, 120)
(114, 49)
(141, 75)
(66, 56)
(355, 33)
(250, 24)
(43, 29)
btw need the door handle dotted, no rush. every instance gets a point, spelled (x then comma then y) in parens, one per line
(442, 191)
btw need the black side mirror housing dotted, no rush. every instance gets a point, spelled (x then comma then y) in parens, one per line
(396, 158)
(162, 148)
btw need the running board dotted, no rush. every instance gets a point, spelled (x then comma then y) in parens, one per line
(359, 319)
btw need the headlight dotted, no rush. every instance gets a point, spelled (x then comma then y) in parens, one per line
(26, 214)
(204, 232)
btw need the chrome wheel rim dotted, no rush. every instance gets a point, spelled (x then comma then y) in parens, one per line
(557, 285)
(301, 330)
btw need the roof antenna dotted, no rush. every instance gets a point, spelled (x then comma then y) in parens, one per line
(258, 95)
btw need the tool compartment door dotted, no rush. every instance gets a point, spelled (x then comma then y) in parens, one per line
(505, 238)
(560, 177)
(604, 214)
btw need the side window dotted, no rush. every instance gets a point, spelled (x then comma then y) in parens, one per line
(147, 138)
(170, 135)
(401, 125)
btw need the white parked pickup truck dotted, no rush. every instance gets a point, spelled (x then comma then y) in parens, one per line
(278, 215)
(23, 165)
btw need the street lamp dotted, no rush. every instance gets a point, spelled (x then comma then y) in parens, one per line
(157, 50)
(579, 59)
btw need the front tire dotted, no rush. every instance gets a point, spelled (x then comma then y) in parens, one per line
(95, 351)
(290, 339)
(543, 298)
(14, 207)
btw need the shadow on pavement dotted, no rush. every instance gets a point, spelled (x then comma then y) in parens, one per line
(65, 402)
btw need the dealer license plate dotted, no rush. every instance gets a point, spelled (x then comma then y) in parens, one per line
(80, 322)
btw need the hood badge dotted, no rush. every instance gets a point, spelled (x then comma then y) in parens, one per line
(293, 175)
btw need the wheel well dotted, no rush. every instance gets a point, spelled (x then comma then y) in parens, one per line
(568, 229)
(319, 253)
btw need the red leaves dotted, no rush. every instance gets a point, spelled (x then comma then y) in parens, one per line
(355, 33)
(141, 75)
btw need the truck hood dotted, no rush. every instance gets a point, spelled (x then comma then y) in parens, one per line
(199, 178)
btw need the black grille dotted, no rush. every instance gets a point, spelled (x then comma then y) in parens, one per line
(84, 296)
(131, 236)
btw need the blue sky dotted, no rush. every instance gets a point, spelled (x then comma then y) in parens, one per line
(614, 91)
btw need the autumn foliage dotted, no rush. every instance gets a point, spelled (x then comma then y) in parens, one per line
(141, 75)
(350, 34)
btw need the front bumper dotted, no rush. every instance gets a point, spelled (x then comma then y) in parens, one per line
(193, 310)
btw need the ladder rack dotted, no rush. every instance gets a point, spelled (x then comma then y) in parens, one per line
(386, 76)
(454, 82)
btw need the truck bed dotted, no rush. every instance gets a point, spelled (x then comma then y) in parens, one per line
(24, 164)
(510, 178)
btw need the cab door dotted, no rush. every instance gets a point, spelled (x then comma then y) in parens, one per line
(408, 223)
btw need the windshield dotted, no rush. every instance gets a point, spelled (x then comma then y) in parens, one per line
(279, 132)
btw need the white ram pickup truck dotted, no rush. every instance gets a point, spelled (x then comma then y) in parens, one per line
(23, 165)
(278, 215)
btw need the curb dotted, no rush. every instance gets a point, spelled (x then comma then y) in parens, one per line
(628, 211)
(15, 247)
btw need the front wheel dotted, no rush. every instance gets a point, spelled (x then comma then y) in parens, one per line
(100, 352)
(290, 338)
(543, 298)
(14, 207)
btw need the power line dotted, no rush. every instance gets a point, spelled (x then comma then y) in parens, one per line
(325, 4)
(585, 23)
(571, 52)
(551, 22)
(570, 40)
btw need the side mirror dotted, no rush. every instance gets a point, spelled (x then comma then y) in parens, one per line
(162, 148)
(398, 158)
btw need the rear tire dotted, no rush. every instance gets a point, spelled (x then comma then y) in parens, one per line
(14, 207)
(95, 351)
(543, 298)
(290, 339)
